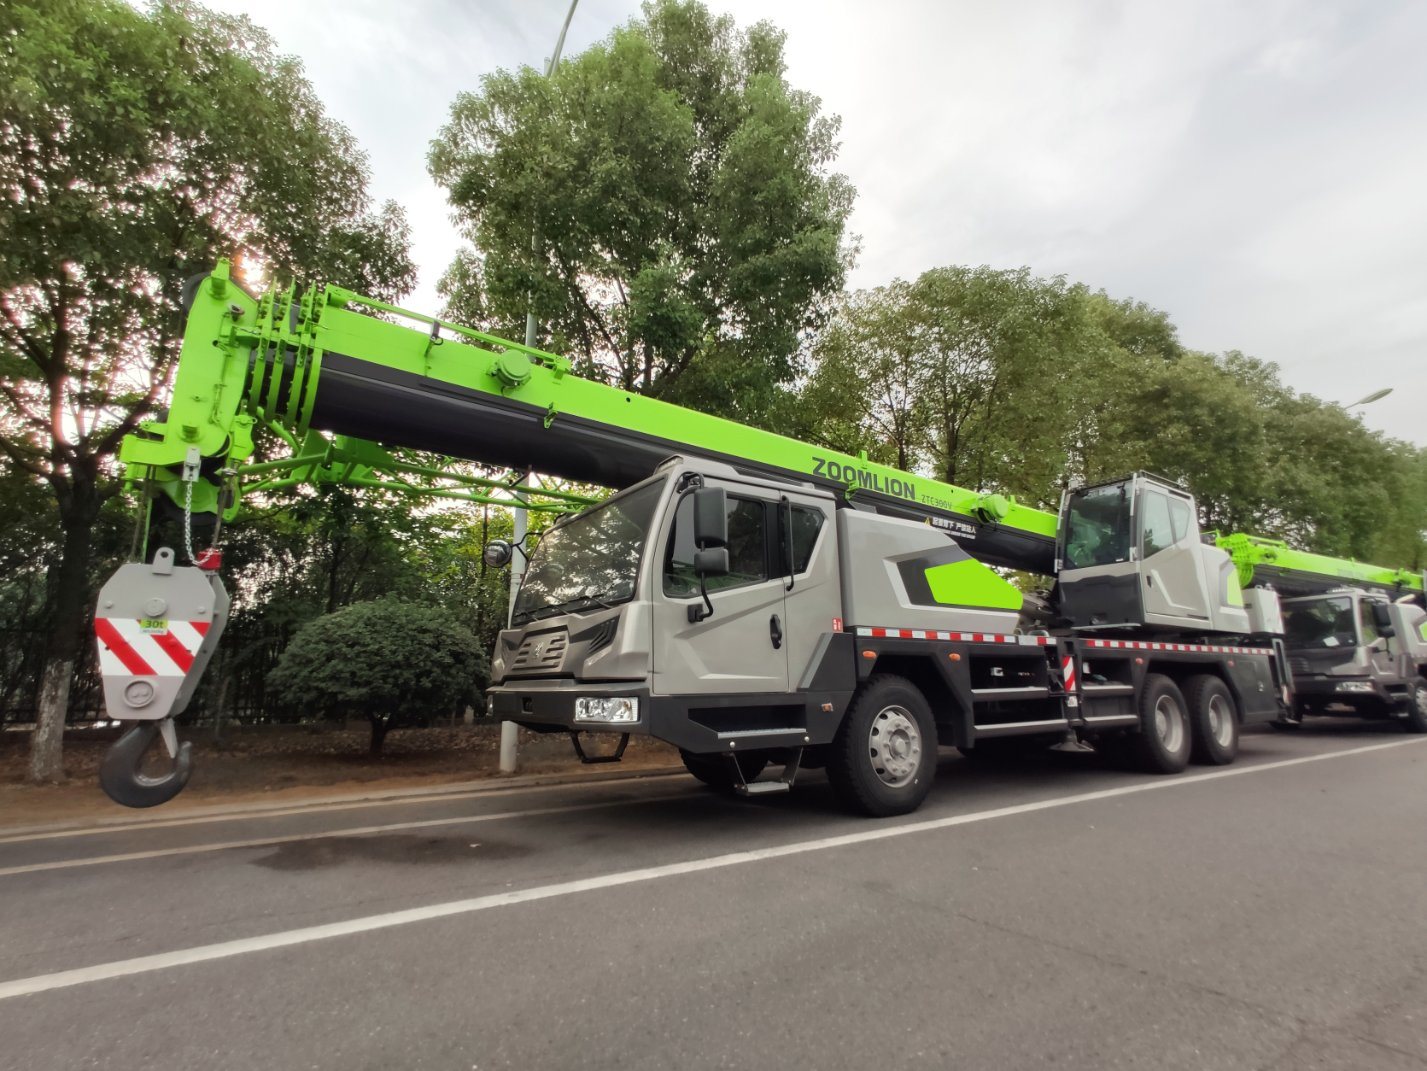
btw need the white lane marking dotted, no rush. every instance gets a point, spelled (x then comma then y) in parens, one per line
(21, 987)
(317, 807)
(292, 838)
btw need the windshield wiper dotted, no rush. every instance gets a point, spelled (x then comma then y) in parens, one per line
(579, 602)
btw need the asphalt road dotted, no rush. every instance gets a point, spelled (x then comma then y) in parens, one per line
(1051, 913)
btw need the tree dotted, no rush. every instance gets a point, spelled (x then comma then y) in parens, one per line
(955, 373)
(997, 380)
(135, 149)
(390, 662)
(687, 228)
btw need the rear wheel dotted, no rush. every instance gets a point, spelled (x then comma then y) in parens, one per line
(1416, 721)
(1163, 742)
(884, 757)
(717, 771)
(1213, 720)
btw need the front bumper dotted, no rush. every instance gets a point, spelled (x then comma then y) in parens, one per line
(701, 724)
(1322, 689)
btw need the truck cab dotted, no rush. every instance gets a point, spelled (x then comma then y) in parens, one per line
(699, 606)
(1354, 652)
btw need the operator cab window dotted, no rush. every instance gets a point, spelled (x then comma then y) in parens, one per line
(1366, 625)
(1157, 526)
(747, 548)
(1099, 527)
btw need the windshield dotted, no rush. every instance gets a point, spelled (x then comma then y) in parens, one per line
(589, 561)
(1098, 526)
(1319, 624)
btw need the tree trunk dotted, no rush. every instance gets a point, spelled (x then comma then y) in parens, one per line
(68, 629)
(380, 725)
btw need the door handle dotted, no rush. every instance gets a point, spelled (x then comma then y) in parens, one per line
(775, 631)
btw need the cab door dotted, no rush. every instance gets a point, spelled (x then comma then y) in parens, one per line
(740, 647)
(1173, 585)
(808, 564)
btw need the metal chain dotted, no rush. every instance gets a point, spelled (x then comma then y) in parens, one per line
(188, 520)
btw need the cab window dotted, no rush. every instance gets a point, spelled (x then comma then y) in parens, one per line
(747, 548)
(807, 524)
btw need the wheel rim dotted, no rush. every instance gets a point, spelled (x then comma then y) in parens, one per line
(1421, 694)
(1169, 723)
(894, 746)
(1221, 721)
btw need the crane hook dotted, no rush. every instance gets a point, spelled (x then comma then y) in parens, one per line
(121, 779)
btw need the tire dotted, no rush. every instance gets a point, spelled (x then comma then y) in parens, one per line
(883, 760)
(1163, 743)
(1416, 720)
(1213, 720)
(716, 771)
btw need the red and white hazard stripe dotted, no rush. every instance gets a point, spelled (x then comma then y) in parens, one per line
(1198, 648)
(126, 648)
(1067, 672)
(952, 637)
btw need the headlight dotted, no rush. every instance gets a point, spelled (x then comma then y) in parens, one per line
(615, 708)
(1354, 686)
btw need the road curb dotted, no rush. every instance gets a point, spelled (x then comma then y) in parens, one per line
(477, 787)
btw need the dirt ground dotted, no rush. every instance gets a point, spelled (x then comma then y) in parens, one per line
(298, 764)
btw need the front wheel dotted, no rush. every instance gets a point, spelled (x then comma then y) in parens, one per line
(884, 757)
(1416, 721)
(1163, 742)
(1213, 720)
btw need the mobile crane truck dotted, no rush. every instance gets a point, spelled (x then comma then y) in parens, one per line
(754, 600)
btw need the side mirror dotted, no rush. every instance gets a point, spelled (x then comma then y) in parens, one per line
(711, 562)
(1381, 616)
(711, 518)
(497, 553)
(711, 539)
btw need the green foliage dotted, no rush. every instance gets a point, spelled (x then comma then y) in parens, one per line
(389, 661)
(136, 148)
(957, 373)
(688, 229)
(1001, 381)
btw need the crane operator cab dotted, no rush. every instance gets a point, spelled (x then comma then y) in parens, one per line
(1130, 555)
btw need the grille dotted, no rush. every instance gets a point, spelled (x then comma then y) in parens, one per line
(1298, 665)
(540, 653)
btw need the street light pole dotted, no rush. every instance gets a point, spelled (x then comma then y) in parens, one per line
(509, 731)
(550, 65)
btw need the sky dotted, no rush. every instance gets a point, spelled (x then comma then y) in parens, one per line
(1256, 170)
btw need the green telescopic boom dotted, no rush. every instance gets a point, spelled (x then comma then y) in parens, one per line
(1261, 561)
(332, 361)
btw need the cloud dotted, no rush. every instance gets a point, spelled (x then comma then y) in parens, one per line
(1253, 169)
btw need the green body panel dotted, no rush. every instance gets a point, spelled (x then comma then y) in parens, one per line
(1233, 593)
(217, 399)
(969, 583)
(1260, 560)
